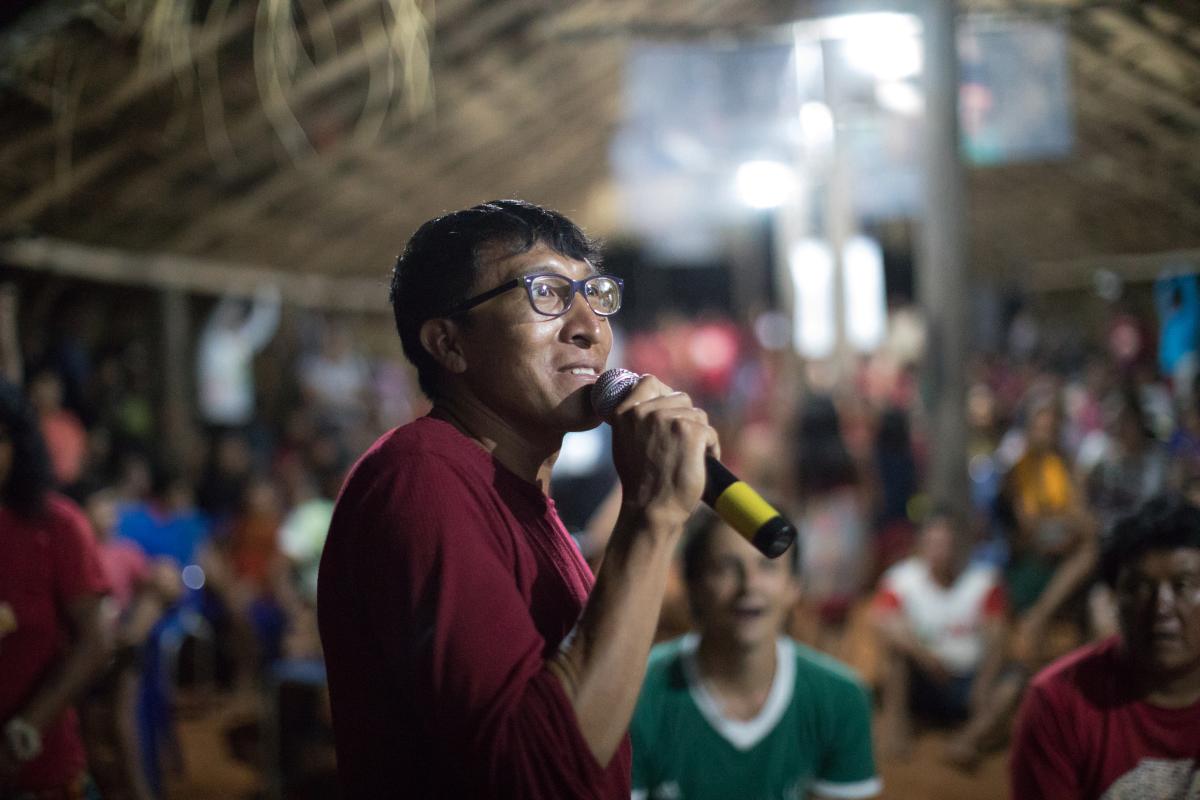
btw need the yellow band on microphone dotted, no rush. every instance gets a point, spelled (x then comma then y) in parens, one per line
(743, 508)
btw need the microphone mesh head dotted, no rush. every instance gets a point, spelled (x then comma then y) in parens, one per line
(610, 389)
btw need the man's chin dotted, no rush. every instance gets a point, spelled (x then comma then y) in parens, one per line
(576, 409)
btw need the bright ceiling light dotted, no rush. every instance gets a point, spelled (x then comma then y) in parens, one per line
(883, 45)
(764, 184)
(901, 97)
(816, 125)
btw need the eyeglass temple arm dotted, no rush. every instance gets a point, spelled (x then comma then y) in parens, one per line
(480, 298)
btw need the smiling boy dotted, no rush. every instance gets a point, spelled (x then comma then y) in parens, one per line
(737, 709)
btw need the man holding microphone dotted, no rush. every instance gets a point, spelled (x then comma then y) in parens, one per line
(470, 652)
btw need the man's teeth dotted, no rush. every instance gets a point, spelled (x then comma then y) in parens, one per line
(583, 371)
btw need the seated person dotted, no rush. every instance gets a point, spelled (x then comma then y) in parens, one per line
(941, 622)
(1121, 717)
(738, 710)
(1053, 539)
(142, 589)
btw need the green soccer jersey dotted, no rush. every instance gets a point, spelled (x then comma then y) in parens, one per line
(812, 736)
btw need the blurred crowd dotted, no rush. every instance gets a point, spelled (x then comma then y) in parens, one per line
(203, 537)
(207, 539)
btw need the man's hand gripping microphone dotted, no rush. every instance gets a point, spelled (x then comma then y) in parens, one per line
(742, 508)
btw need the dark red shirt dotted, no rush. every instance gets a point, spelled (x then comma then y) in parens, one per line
(445, 585)
(45, 565)
(1082, 734)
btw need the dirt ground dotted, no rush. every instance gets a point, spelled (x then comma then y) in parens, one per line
(212, 771)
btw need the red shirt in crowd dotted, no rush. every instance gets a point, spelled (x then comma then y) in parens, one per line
(1082, 734)
(45, 565)
(446, 584)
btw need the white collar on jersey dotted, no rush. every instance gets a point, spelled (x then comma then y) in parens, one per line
(742, 734)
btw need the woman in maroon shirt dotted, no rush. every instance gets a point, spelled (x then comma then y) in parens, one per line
(53, 639)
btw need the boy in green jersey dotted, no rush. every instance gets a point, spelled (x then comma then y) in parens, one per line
(737, 710)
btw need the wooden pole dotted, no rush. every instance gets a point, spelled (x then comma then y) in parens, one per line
(942, 266)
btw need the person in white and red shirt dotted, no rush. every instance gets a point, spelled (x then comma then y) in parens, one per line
(941, 623)
(1121, 717)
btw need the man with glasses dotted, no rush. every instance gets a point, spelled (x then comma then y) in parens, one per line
(470, 653)
(1121, 718)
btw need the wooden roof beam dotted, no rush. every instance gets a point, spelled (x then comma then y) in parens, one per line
(456, 91)
(200, 276)
(154, 180)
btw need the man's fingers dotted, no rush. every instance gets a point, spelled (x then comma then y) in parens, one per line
(647, 387)
(713, 443)
(675, 401)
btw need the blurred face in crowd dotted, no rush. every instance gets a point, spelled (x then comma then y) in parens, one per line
(233, 455)
(532, 371)
(981, 407)
(741, 597)
(135, 477)
(262, 498)
(939, 548)
(46, 393)
(1158, 598)
(1043, 428)
(102, 512)
(180, 496)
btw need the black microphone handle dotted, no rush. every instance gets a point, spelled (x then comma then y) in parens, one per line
(744, 510)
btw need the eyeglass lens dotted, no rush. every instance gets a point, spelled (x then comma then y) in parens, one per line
(552, 294)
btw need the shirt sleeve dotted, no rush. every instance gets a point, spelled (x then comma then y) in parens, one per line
(847, 769)
(447, 612)
(77, 568)
(886, 601)
(1042, 765)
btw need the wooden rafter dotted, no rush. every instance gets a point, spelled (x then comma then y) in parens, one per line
(200, 276)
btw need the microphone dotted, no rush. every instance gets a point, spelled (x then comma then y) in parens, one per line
(742, 508)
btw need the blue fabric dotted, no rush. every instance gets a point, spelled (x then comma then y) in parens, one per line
(309, 671)
(154, 717)
(177, 536)
(1180, 325)
(269, 624)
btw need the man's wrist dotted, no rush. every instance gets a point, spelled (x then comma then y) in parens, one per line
(24, 740)
(654, 521)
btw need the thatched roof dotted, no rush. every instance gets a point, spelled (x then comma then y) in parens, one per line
(107, 143)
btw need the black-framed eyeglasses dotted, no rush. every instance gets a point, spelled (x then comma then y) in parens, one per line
(551, 294)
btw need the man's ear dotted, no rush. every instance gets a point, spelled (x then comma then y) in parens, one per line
(440, 338)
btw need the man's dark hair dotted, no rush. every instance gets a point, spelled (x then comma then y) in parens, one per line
(30, 476)
(438, 266)
(701, 528)
(1166, 522)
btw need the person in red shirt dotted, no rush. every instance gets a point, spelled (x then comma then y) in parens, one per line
(1121, 717)
(53, 637)
(469, 652)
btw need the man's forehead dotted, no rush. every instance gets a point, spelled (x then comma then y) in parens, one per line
(499, 259)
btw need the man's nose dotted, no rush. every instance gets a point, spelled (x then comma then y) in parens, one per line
(1164, 597)
(581, 321)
